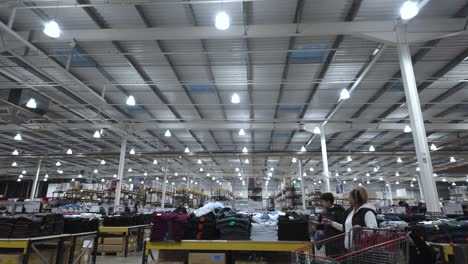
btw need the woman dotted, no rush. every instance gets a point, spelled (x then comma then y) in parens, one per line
(360, 214)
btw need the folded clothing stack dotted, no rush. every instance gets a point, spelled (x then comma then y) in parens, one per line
(445, 232)
(202, 228)
(81, 225)
(293, 227)
(394, 224)
(26, 226)
(6, 226)
(233, 225)
(265, 227)
(168, 226)
(119, 220)
(59, 224)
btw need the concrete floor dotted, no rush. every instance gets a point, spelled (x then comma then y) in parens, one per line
(133, 259)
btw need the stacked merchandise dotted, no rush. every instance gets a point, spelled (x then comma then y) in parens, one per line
(81, 225)
(293, 227)
(391, 221)
(233, 225)
(265, 227)
(445, 231)
(6, 226)
(169, 226)
(127, 220)
(202, 223)
(25, 226)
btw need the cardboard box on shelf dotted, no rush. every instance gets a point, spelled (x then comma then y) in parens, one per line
(112, 248)
(10, 258)
(113, 241)
(207, 258)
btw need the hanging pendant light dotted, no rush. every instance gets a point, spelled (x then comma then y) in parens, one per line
(344, 94)
(168, 133)
(15, 152)
(316, 131)
(399, 160)
(131, 100)
(18, 137)
(235, 99)
(407, 129)
(222, 21)
(31, 103)
(52, 29)
(187, 150)
(303, 149)
(97, 134)
(244, 150)
(349, 159)
(247, 161)
(408, 10)
(433, 147)
(241, 132)
(294, 160)
(371, 148)
(103, 162)
(132, 151)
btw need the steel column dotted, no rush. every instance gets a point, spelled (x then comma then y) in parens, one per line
(164, 187)
(123, 152)
(428, 185)
(36, 180)
(326, 173)
(303, 194)
(389, 194)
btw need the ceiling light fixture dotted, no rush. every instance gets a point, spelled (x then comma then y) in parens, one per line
(452, 160)
(235, 99)
(367, 174)
(444, 180)
(31, 103)
(371, 148)
(132, 151)
(222, 21)
(15, 152)
(355, 179)
(58, 164)
(103, 162)
(130, 170)
(73, 179)
(45, 179)
(14, 164)
(155, 162)
(184, 179)
(412, 185)
(407, 129)
(168, 133)
(349, 159)
(69, 152)
(380, 179)
(454, 184)
(408, 10)
(344, 182)
(272, 169)
(316, 131)
(337, 174)
(414, 179)
(344, 94)
(348, 170)
(433, 147)
(397, 174)
(18, 137)
(176, 174)
(418, 169)
(80, 176)
(201, 169)
(247, 161)
(96, 171)
(208, 174)
(397, 182)
(303, 149)
(237, 169)
(241, 132)
(130, 180)
(52, 29)
(187, 150)
(368, 182)
(131, 100)
(435, 175)
(244, 150)
(311, 169)
(375, 169)
(115, 176)
(294, 160)
(145, 174)
(46, 176)
(399, 160)
(97, 134)
(360, 184)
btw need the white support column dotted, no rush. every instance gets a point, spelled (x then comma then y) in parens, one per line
(36, 180)
(123, 152)
(428, 185)
(326, 173)
(389, 194)
(303, 194)
(420, 189)
(163, 199)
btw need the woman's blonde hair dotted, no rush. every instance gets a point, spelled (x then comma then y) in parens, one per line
(359, 195)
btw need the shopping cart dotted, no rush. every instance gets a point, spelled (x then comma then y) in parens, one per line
(376, 246)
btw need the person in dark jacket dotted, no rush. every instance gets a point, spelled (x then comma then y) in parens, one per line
(332, 212)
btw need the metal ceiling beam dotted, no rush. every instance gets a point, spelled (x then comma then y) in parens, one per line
(419, 27)
(220, 126)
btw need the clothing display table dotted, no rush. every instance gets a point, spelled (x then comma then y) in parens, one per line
(29, 246)
(127, 232)
(221, 245)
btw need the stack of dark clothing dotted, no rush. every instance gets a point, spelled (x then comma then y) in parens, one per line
(26, 226)
(169, 226)
(6, 226)
(293, 227)
(202, 228)
(445, 232)
(81, 225)
(59, 224)
(121, 220)
(233, 225)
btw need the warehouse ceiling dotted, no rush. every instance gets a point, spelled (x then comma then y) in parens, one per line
(287, 60)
